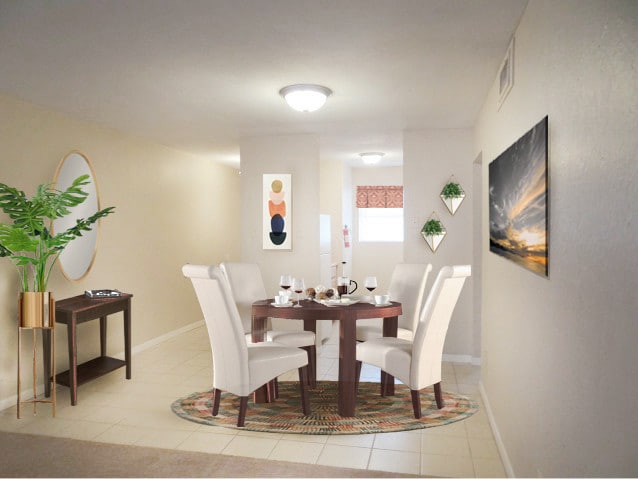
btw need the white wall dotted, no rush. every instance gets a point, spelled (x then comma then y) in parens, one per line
(298, 155)
(331, 184)
(559, 353)
(170, 208)
(430, 157)
(371, 258)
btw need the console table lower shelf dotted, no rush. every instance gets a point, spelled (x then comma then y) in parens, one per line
(90, 370)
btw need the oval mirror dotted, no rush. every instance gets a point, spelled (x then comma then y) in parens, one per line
(77, 258)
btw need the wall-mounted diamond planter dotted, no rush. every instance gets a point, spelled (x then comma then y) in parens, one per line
(452, 195)
(433, 232)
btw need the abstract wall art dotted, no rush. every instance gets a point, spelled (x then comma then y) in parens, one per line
(277, 216)
(518, 192)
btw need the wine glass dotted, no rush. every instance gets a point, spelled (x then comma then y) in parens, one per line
(285, 282)
(298, 287)
(370, 283)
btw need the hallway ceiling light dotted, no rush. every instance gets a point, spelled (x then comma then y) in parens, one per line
(305, 97)
(372, 157)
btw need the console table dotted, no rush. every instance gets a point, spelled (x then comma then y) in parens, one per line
(80, 309)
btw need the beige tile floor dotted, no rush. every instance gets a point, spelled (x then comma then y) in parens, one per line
(114, 410)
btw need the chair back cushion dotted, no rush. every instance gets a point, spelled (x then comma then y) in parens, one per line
(407, 285)
(225, 329)
(247, 286)
(427, 348)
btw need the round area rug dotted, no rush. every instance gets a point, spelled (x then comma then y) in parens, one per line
(374, 414)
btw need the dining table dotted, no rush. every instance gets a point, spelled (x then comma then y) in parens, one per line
(347, 314)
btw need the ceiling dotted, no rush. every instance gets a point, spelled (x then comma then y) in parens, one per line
(197, 75)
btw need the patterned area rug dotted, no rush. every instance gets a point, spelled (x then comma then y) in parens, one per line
(374, 414)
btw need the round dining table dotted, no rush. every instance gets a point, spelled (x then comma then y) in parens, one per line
(347, 314)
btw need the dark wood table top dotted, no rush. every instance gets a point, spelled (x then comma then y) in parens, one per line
(313, 310)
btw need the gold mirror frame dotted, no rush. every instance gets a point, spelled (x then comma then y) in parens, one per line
(77, 258)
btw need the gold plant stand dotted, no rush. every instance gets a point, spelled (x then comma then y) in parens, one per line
(47, 327)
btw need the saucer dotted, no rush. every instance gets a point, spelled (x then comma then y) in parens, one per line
(285, 305)
(383, 304)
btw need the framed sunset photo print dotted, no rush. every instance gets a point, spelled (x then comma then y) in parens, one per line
(518, 196)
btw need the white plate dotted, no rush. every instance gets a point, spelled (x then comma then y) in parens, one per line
(337, 302)
(285, 305)
(384, 304)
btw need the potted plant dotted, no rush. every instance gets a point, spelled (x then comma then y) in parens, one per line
(29, 242)
(433, 232)
(452, 195)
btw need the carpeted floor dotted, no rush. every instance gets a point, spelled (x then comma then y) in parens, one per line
(374, 413)
(26, 455)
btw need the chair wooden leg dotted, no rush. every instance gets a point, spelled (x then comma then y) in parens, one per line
(312, 366)
(357, 376)
(384, 381)
(438, 396)
(243, 405)
(217, 395)
(271, 387)
(416, 403)
(303, 387)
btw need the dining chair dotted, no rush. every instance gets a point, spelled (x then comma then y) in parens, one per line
(407, 285)
(247, 286)
(239, 368)
(417, 363)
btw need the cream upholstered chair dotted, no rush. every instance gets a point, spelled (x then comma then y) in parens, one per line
(417, 363)
(238, 367)
(247, 286)
(407, 286)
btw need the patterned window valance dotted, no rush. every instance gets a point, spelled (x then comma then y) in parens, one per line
(379, 196)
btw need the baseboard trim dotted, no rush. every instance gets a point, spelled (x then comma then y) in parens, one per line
(509, 470)
(461, 358)
(160, 339)
(12, 400)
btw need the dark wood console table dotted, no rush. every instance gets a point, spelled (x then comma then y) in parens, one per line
(80, 309)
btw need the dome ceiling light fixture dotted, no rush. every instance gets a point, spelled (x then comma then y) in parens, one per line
(303, 97)
(371, 157)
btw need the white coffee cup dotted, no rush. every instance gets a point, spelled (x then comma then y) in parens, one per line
(286, 293)
(381, 299)
(281, 299)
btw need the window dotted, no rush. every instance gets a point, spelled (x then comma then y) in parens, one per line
(380, 213)
(381, 224)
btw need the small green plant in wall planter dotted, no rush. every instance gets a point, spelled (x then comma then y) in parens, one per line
(433, 232)
(452, 195)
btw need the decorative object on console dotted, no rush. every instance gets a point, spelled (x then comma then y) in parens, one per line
(452, 195)
(433, 232)
(102, 293)
(277, 217)
(518, 187)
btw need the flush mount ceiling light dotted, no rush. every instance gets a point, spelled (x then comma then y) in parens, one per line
(372, 157)
(305, 97)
